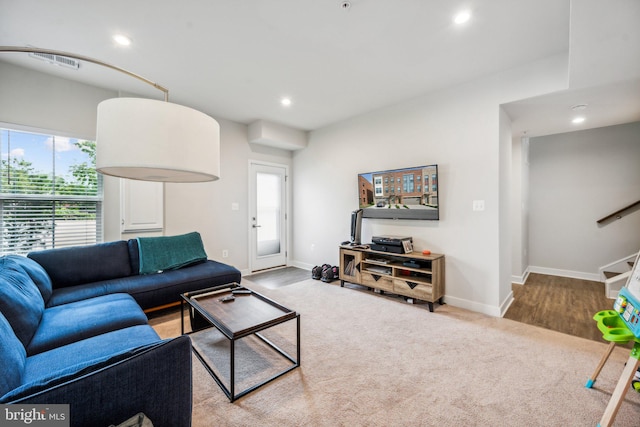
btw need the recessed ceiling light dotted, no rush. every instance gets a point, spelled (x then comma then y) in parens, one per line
(122, 40)
(577, 120)
(462, 17)
(579, 107)
(285, 102)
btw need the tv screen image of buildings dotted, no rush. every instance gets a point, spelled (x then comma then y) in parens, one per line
(409, 193)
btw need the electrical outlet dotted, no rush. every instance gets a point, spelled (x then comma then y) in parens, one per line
(225, 253)
(478, 205)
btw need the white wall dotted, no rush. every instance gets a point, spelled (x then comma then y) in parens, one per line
(576, 179)
(41, 101)
(520, 209)
(206, 207)
(505, 294)
(460, 130)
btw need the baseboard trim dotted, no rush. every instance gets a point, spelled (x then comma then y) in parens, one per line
(565, 273)
(506, 304)
(473, 306)
(520, 280)
(301, 265)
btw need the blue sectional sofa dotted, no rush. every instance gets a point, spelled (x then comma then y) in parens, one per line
(73, 331)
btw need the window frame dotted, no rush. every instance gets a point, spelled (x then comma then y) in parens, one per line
(57, 235)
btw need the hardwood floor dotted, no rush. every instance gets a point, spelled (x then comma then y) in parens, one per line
(559, 303)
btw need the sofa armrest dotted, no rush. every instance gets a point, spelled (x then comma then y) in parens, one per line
(155, 381)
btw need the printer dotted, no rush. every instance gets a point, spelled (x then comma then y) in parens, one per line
(393, 244)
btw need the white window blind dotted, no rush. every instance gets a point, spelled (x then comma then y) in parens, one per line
(50, 192)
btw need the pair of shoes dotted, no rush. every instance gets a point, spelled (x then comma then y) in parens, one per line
(330, 274)
(316, 272)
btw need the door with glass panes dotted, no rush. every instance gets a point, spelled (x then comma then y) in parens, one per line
(267, 216)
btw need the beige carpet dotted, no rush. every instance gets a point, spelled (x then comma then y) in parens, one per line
(371, 360)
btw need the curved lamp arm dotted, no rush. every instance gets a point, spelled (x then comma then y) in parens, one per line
(87, 59)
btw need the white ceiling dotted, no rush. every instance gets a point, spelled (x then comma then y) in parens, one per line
(235, 59)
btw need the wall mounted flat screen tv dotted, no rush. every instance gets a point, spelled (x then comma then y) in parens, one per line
(409, 193)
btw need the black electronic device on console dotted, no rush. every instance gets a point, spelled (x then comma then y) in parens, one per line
(412, 264)
(393, 244)
(356, 228)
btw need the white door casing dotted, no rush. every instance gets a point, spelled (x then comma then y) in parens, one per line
(267, 215)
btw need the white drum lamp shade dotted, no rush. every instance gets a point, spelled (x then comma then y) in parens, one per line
(152, 140)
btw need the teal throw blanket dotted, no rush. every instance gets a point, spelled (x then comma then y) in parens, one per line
(169, 252)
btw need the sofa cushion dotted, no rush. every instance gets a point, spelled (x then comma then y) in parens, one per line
(20, 300)
(37, 274)
(165, 288)
(84, 264)
(12, 357)
(62, 364)
(153, 290)
(81, 292)
(170, 252)
(68, 323)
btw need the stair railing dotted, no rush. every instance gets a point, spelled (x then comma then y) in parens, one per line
(619, 266)
(620, 212)
(615, 274)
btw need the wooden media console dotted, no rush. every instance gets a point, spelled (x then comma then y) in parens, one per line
(412, 275)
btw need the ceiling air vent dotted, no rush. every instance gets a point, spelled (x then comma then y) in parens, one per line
(63, 61)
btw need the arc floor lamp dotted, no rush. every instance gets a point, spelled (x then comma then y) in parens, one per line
(150, 140)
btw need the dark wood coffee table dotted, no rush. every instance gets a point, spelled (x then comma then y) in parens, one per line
(246, 315)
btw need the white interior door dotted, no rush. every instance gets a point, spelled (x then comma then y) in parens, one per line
(267, 216)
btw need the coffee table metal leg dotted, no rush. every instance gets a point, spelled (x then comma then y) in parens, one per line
(232, 364)
(298, 337)
(182, 317)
